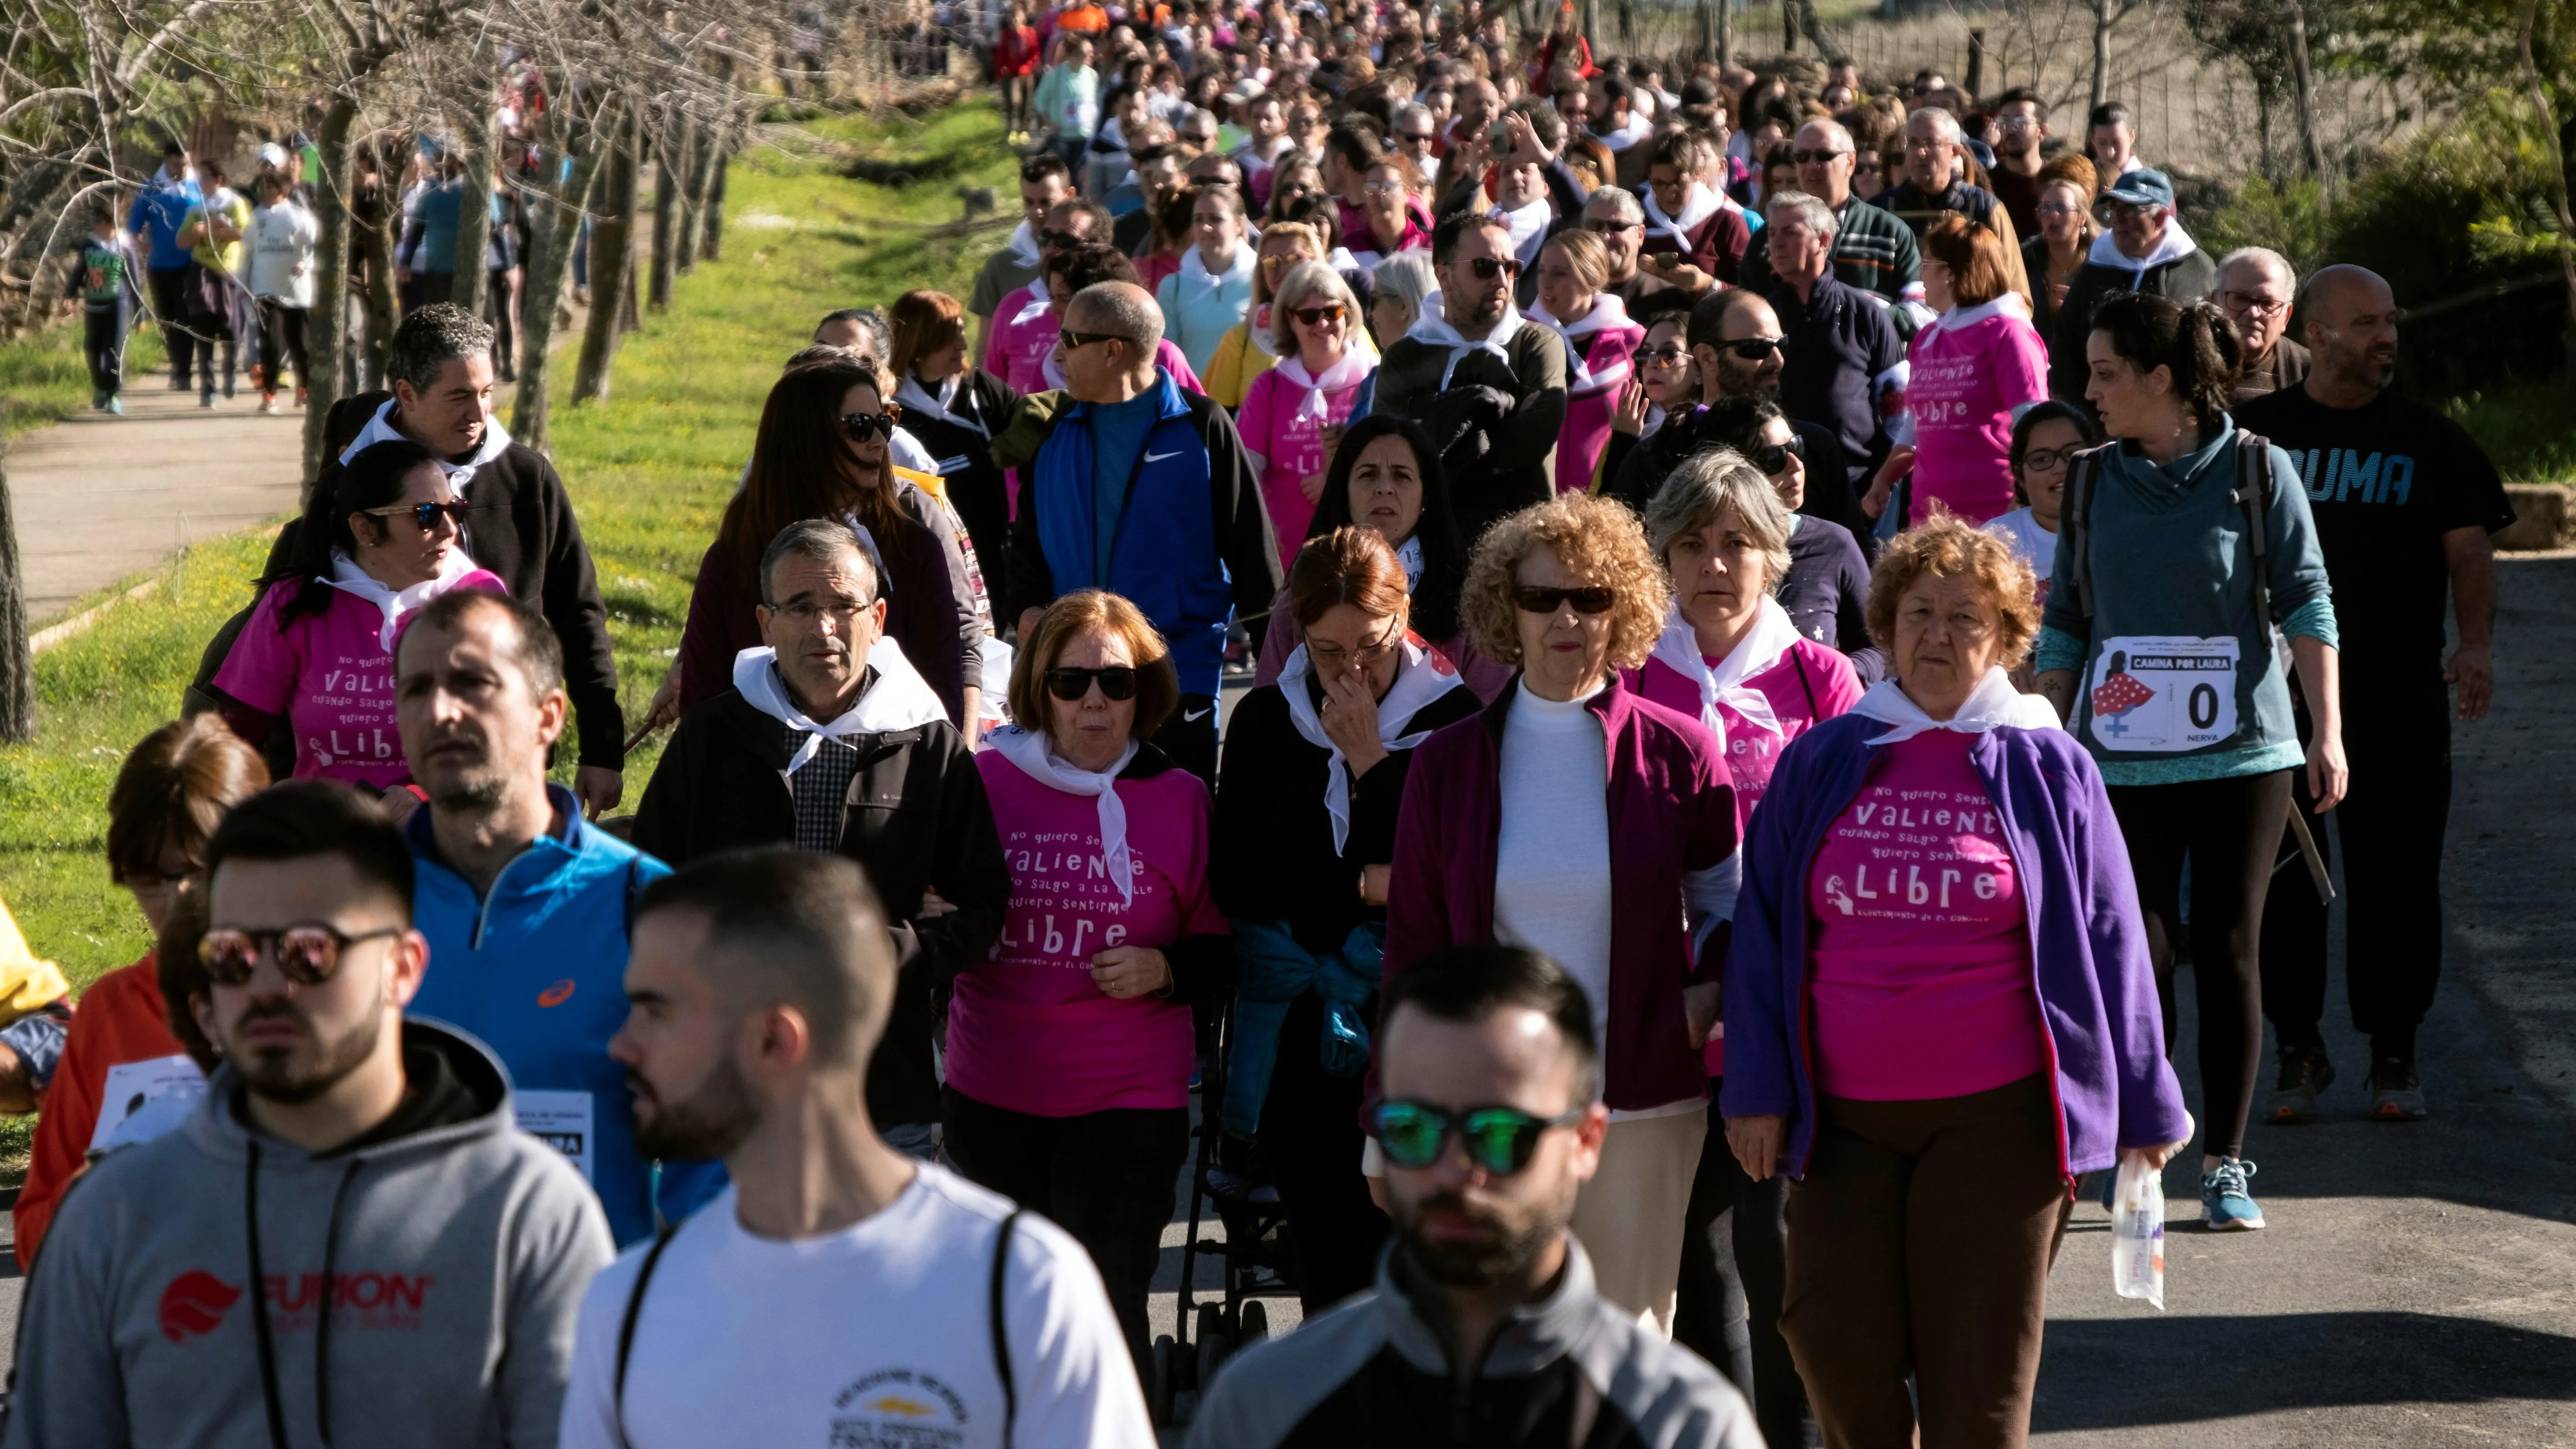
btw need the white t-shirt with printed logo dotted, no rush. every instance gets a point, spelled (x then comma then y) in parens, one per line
(876, 1334)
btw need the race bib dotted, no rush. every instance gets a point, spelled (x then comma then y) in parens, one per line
(133, 1086)
(2164, 693)
(561, 1120)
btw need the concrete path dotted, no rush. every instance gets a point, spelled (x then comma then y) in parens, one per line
(99, 498)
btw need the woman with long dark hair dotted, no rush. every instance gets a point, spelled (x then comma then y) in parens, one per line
(382, 537)
(822, 452)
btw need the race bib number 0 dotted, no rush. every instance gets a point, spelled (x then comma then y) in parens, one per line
(2164, 693)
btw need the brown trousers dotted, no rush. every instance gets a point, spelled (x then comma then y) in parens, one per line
(1919, 1244)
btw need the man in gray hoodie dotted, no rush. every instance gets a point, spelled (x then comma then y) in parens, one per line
(414, 1265)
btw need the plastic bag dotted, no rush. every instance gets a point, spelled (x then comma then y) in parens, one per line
(2138, 1232)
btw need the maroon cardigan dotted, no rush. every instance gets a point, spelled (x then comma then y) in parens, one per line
(1672, 811)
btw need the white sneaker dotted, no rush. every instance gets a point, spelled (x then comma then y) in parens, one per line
(268, 404)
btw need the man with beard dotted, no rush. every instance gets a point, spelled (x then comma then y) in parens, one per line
(872, 770)
(2406, 504)
(839, 1291)
(526, 904)
(1484, 1327)
(413, 1264)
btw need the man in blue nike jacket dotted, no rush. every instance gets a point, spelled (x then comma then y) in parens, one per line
(526, 905)
(1144, 490)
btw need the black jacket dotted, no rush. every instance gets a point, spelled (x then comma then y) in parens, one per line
(1639, 468)
(1270, 847)
(974, 481)
(916, 818)
(2186, 279)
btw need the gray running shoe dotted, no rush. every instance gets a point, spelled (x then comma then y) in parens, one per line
(2305, 1072)
(2395, 1093)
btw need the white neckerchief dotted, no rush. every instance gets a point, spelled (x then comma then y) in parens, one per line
(381, 429)
(1432, 329)
(1761, 647)
(1356, 364)
(1582, 381)
(2177, 244)
(1037, 304)
(1528, 226)
(898, 699)
(348, 578)
(1194, 274)
(1256, 330)
(1994, 702)
(1028, 750)
(1698, 205)
(913, 398)
(1409, 554)
(1423, 677)
(1023, 245)
(2009, 304)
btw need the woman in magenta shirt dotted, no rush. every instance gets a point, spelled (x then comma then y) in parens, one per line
(1967, 371)
(1600, 342)
(1940, 1010)
(1069, 1048)
(1730, 658)
(1294, 411)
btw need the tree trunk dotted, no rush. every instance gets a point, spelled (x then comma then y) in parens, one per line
(712, 247)
(2312, 151)
(669, 174)
(383, 311)
(2101, 53)
(474, 212)
(1976, 63)
(1706, 13)
(554, 229)
(697, 148)
(1788, 27)
(611, 254)
(326, 326)
(1726, 39)
(17, 657)
(2558, 189)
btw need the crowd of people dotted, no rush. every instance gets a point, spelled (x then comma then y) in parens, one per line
(1742, 696)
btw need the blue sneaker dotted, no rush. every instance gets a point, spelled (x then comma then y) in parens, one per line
(2225, 1205)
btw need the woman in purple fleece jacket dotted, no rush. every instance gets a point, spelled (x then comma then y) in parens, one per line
(1939, 1010)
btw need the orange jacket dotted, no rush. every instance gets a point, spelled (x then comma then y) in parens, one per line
(120, 1020)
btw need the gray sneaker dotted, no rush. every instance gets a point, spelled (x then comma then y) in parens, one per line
(2396, 1095)
(2305, 1072)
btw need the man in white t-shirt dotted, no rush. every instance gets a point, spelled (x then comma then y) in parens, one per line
(838, 1292)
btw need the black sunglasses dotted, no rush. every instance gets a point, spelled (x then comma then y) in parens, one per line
(307, 953)
(1610, 226)
(1532, 599)
(1488, 268)
(1117, 681)
(1500, 1140)
(424, 514)
(1060, 240)
(1075, 341)
(861, 425)
(1754, 349)
(1773, 458)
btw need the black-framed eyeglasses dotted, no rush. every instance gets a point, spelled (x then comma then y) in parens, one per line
(862, 426)
(307, 953)
(1754, 349)
(1535, 599)
(1773, 458)
(1488, 268)
(2047, 460)
(1500, 1140)
(2251, 305)
(1067, 683)
(1075, 341)
(1414, 138)
(426, 515)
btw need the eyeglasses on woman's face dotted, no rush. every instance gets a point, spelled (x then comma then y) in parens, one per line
(1330, 657)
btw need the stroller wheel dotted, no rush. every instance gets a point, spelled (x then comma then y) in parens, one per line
(1158, 1393)
(1254, 1326)
(1215, 1343)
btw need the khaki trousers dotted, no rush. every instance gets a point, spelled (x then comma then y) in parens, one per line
(1629, 1217)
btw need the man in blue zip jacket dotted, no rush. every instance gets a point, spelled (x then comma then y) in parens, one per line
(160, 208)
(526, 906)
(1142, 489)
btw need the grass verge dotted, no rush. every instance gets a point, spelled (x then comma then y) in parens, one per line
(2524, 429)
(649, 470)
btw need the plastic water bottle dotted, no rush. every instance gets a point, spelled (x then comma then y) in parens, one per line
(2138, 1232)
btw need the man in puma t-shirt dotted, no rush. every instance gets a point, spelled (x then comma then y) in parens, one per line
(2405, 504)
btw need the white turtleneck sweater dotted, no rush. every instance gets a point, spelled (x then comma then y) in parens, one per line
(1552, 863)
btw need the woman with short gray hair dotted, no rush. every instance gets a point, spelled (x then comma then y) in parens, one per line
(1730, 658)
(1292, 415)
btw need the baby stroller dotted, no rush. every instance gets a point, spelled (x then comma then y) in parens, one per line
(1257, 1256)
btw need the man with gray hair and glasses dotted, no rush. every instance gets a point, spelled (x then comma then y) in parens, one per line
(1872, 251)
(1142, 488)
(2256, 289)
(1839, 350)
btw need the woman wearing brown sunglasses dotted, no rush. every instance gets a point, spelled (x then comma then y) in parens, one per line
(1513, 831)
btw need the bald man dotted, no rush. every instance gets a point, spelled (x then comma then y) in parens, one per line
(1872, 251)
(1143, 488)
(2405, 506)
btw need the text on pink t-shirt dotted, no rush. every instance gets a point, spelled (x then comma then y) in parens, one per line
(1027, 1030)
(1291, 447)
(1963, 383)
(1920, 973)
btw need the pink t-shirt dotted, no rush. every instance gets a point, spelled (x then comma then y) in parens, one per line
(1966, 375)
(1589, 405)
(331, 675)
(1024, 333)
(1027, 1030)
(1920, 970)
(1805, 669)
(1292, 448)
